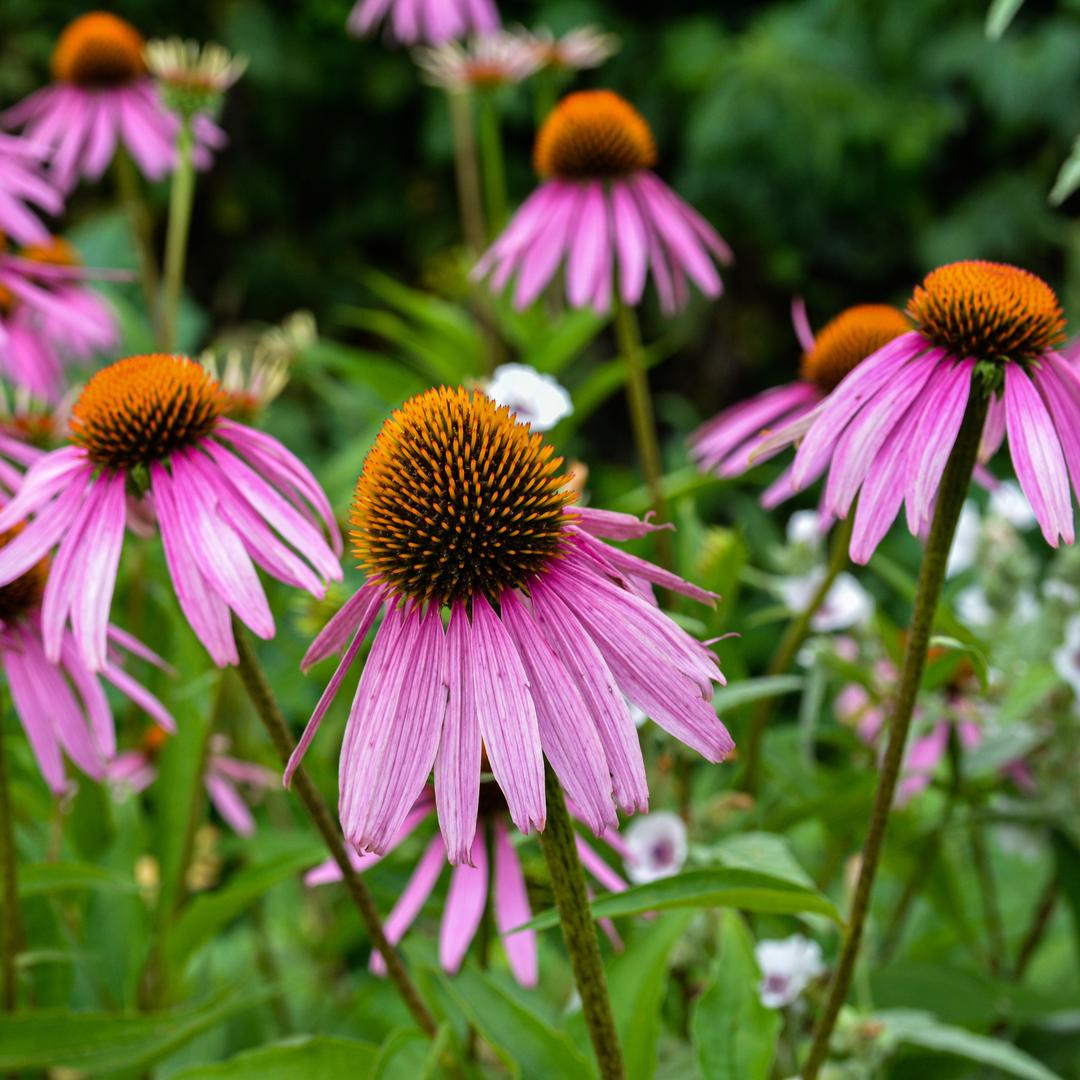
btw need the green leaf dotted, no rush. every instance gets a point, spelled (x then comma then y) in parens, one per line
(764, 852)
(209, 913)
(314, 1057)
(748, 890)
(1000, 15)
(37, 879)
(748, 691)
(403, 1056)
(530, 1047)
(965, 648)
(1068, 177)
(734, 1033)
(637, 981)
(105, 1042)
(921, 1030)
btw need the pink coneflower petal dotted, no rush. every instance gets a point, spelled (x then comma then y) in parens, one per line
(612, 525)
(601, 694)
(590, 241)
(138, 694)
(512, 909)
(229, 805)
(412, 898)
(507, 718)
(465, 903)
(801, 321)
(539, 264)
(95, 703)
(20, 670)
(358, 611)
(457, 764)
(569, 737)
(631, 244)
(1060, 389)
(598, 868)
(1037, 457)
(34, 542)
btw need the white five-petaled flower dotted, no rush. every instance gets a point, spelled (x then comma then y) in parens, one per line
(787, 968)
(534, 398)
(657, 846)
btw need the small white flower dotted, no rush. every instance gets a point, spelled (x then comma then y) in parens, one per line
(1066, 657)
(657, 846)
(1009, 502)
(804, 529)
(965, 545)
(847, 603)
(787, 968)
(1056, 589)
(532, 396)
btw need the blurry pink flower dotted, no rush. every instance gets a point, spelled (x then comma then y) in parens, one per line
(580, 48)
(470, 883)
(24, 191)
(886, 432)
(604, 213)
(60, 703)
(723, 444)
(430, 22)
(227, 498)
(461, 507)
(102, 98)
(486, 63)
(223, 777)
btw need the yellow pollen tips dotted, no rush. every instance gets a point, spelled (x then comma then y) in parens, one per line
(24, 593)
(141, 409)
(846, 341)
(988, 311)
(458, 498)
(593, 134)
(99, 50)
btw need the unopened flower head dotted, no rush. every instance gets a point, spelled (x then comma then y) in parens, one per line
(102, 98)
(550, 631)
(226, 498)
(424, 22)
(886, 432)
(487, 62)
(193, 78)
(603, 213)
(581, 48)
(493, 869)
(724, 444)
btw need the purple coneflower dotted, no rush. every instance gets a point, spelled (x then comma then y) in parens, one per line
(580, 48)
(723, 445)
(60, 703)
(485, 63)
(430, 22)
(886, 432)
(461, 508)
(605, 213)
(223, 777)
(470, 884)
(24, 190)
(103, 97)
(226, 498)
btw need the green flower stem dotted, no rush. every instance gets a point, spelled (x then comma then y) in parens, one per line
(788, 647)
(262, 698)
(643, 419)
(953, 489)
(470, 202)
(579, 930)
(984, 874)
(11, 929)
(492, 162)
(131, 197)
(181, 197)
(1040, 921)
(546, 95)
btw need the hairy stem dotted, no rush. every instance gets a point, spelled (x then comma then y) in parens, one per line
(579, 930)
(131, 197)
(176, 238)
(643, 419)
(953, 488)
(788, 647)
(11, 929)
(262, 698)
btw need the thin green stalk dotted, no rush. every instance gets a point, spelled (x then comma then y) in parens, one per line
(181, 197)
(130, 193)
(579, 930)
(643, 418)
(492, 162)
(954, 487)
(984, 874)
(1040, 920)
(262, 698)
(470, 202)
(546, 94)
(11, 930)
(788, 647)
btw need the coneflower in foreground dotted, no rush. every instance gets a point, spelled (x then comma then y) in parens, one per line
(227, 498)
(61, 704)
(103, 98)
(605, 213)
(886, 432)
(461, 508)
(723, 445)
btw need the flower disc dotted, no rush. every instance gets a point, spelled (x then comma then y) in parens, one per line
(99, 50)
(458, 498)
(847, 340)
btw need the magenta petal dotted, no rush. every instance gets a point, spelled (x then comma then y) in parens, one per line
(1060, 389)
(465, 903)
(512, 909)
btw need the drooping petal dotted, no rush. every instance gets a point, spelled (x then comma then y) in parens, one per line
(512, 909)
(465, 903)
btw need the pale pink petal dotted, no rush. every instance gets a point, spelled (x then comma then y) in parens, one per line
(512, 909)
(465, 903)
